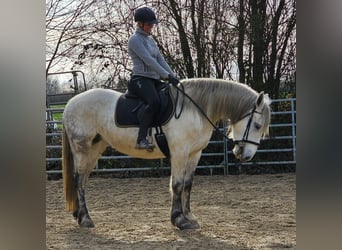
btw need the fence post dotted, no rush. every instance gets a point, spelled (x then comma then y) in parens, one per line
(293, 130)
(225, 150)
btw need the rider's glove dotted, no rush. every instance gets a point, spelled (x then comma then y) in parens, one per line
(173, 80)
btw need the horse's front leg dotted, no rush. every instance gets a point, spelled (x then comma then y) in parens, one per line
(186, 201)
(81, 214)
(177, 216)
(190, 171)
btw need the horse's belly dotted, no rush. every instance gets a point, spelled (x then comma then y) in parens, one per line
(124, 141)
(141, 153)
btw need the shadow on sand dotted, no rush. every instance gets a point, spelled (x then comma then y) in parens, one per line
(186, 239)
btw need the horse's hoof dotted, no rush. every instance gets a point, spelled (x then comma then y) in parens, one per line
(195, 224)
(186, 225)
(75, 215)
(86, 223)
(183, 223)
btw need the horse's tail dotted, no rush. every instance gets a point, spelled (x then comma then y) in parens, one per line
(69, 186)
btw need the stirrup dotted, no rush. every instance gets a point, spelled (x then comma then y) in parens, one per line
(144, 144)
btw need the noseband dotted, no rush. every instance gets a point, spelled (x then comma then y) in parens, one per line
(246, 133)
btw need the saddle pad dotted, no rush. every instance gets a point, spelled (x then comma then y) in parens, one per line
(128, 110)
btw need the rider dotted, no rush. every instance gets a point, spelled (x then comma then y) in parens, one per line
(149, 67)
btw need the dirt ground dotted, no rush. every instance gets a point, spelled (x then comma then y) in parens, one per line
(235, 212)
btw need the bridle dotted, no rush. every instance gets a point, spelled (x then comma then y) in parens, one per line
(244, 139)
(246, 133)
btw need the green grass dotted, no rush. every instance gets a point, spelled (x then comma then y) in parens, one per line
(58, 115)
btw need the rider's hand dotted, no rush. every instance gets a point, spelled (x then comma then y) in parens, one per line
(173, 80)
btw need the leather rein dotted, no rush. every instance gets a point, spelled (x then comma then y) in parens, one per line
(236, 142)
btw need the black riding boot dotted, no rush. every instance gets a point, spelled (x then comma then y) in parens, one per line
(142, 142)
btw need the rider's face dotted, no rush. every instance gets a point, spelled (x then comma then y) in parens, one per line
(147, 27)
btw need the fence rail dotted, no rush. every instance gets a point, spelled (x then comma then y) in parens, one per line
(282, 134)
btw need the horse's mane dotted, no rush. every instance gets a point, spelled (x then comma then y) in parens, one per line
(222, 98)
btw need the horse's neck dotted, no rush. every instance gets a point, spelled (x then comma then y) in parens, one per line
(229, 104)
(219, 99)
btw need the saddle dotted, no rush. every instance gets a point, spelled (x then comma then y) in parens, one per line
(130, 108)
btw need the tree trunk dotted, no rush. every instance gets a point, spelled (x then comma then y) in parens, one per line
(197, 18)
(289, 29)
(241, 38)
(183, 39)
(271, 79)
(257, 27)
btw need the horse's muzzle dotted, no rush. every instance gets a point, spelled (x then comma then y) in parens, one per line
(241, 153)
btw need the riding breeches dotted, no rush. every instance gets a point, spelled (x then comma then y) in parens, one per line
(146, 89)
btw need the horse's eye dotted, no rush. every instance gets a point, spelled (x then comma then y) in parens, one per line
(257, 126)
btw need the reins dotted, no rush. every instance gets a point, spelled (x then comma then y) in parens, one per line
(197, 106)
(246, 133)
(177, 96)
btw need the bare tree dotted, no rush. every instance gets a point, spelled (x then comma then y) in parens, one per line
(52, 86)
(266, 44)
(176, 10)
(204, 31)
(241, 41)
(61, 17)
(287, 53)
(254, 38)
(220, 42)
(104, 53)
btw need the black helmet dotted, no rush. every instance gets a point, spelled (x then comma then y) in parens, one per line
(145, 15)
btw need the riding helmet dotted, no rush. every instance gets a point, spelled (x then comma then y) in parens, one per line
(145, 15)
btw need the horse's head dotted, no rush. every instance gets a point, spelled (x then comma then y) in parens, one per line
(251, 128)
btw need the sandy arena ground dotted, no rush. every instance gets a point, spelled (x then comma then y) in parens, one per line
(235, 212)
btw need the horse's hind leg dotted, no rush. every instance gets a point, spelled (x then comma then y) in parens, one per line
(82, 214)
(85, 162)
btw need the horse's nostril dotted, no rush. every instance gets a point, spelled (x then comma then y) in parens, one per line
(246, 158)
(237, 151)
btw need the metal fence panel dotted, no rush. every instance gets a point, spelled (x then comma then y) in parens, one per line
(281, 133)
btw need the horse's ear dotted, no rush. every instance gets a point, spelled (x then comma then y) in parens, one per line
(260, 100)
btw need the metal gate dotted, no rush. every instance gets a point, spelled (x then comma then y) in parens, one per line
(279, 149)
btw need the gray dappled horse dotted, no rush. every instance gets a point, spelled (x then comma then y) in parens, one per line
(89, 127)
